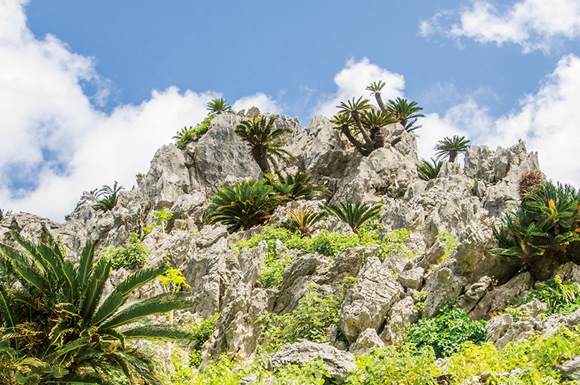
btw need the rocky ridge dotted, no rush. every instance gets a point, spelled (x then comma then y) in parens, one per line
(463, 202)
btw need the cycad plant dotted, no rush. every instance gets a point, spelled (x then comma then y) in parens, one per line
(56, 325)
(451, 147)
(244, 205)
(302, 220)
(528, 181)
(265, 144)
(107, 197)
(219, 105)
(406, 112)
(544, 231)
(353, 215)
(428, 171)
(296, 186)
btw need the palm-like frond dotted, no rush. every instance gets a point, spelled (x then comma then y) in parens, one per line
(107, 197)
(302, 220)
(218, 106)
(451, 147)
(264, 140)
(428, 171)
(405, 112)
(246, 204)
(354, 106)
(297, 186)
(353, 215)
(56, 319)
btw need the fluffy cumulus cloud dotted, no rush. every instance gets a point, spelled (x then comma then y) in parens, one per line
(265, 103)
(546, 120)
(353, 80)
(532, 24)
(55, 143)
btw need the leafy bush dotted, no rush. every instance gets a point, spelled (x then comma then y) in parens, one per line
(543, 232)
(301, 220)
(330, 244)
(561, 298)
(310, 321)
(244, 205)
(192, 134)
(272, 272)
(353, 215)
(162, 218)
(57, 326)
(446, 332)
(296, 186)
(428, 171)
(132, 257)
(200, 333)
(396, 365)
(107, 197)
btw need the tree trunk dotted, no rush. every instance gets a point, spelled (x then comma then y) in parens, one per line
(378, 137)
(380, 102)
(452, 156)
(368, 141)
(260, 156)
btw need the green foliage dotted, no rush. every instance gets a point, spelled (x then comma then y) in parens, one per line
(353, 215)
(446, 332)
(173, 280)
(192, 134)
(361, 124)
(449, 243)
(302, 220)
(310, 321)
(296, 186)
(244, 205)
(107, 197)
(330, 244)
(162, 218)
(561, 298)
(265, 144)
(272, 272)
(219, 105)
(543, 231)
(57, 325)
(451, 147)
(405, 112)
(132, 257)
(200, 333)
(428, 171)
(395, 366)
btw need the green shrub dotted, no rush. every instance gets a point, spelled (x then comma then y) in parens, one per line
(272, 272)
(446, 332)
(200, 332)
(162, 218)
(296, 186)
(428, 171)
(396, 365)
(353, 215)
(543, 231)
(192, 134)
(449, 241)
(561, 298)
(302, 220)
(132, 257)
(244, 205)
(107, 197)
(310, 321)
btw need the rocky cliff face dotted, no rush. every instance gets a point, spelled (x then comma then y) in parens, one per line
(377, 309)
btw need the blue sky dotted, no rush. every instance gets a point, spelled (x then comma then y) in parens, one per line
(75, 74)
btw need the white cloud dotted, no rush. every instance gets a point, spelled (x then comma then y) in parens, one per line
(51, 135)
(532, 24)
(546, 120)
(264, 103)
(353, 80)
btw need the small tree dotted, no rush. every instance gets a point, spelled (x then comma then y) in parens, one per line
(451, 147)
(217, 106)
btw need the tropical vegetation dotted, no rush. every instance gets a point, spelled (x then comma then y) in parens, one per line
(246, 204)
(132, 257)
(56, 325)
(302, 220)
(543, 231)
(405, 112)
(296, 186)
(266, 145)
(428, 171)
(218, 105)
(528, 181)
(192, 134)
(354, 215)
(451, 147)
(107, 197)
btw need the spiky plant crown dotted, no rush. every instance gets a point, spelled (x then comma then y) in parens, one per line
(218, 106)
(297, 186)
(302, 220)
(451, 147)
(428, 171)
(528, 182)
(354, 215)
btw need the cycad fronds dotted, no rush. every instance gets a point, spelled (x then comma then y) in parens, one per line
(265, 143)
(428, 171)
(353, 215)
(406, 112)
(57, 317)
(302, 220)
(107, 197)
(451, 147)
(528, 182)
(297, 186)
(219, 105)
(246, 204)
